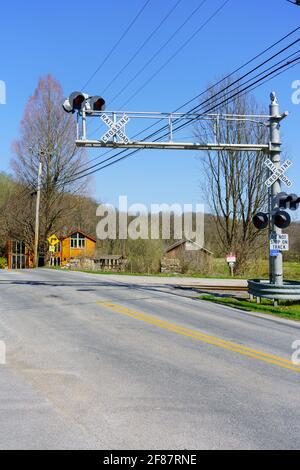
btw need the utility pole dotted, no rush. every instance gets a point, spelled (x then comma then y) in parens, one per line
(37, 217)
(276, 265)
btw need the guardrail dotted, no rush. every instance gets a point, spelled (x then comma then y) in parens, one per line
(260, 288)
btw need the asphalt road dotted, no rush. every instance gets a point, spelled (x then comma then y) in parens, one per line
(111, 362)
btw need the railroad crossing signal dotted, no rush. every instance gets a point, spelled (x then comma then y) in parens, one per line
(115, 128)
(260, 220)
(78, 101)
(75, 102)
(53, 240)
(96, 103)
(278, 173)
(288, 201)
(282, 219)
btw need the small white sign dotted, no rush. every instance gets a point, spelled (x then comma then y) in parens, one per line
(278, 173)
(279, 242)
(231, 258)
(115, 129)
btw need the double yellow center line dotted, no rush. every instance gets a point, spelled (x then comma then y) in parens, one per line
(197, 335)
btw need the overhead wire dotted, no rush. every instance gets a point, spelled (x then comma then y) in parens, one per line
(228, 76)
(197, 96)
(219, 92)
(159, 50)
(141, 47)
(189, 39)
(247, 88)
(114, 47)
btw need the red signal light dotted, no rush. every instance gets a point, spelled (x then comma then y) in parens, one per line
(282, 219)
(260, 220)
(77, 100)
(97, 103)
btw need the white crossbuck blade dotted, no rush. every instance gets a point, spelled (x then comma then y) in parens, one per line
(278, 173)
(115, 128)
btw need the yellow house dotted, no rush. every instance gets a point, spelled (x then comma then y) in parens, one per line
(76, 244)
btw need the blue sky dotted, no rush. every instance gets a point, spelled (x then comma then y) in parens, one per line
(69, 39)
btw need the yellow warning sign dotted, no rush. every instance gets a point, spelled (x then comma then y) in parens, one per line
(53, 240)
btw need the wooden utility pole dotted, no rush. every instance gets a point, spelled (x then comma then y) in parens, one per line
(37, 217)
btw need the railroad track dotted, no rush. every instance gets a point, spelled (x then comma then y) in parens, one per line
(215, 288)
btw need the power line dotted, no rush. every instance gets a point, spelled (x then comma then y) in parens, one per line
(173, 8)
(277, 74)
(223, 79)
(176, 52)
(285, 66)
(116, 44)
(161, 48)
(222, 90)
(139, 50)
(247, 89)
(217, 105)
(205, 91)
(190, 38)
(248, 73)
(237, 81)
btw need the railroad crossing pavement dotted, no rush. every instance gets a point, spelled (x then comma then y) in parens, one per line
(97, 362)
(179, 281)
(189, 286)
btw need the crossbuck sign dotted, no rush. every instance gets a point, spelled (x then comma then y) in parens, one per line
(116, 129)
(278, 173)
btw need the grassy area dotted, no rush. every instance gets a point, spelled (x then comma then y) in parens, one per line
(286, 309)
(220, 271)
(127, 273)
(258, 269)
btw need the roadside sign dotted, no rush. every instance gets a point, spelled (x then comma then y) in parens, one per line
(231, 258)
(52, 249)
(274, 252)
(279, 242)
(115, 129)
(53, 240)
(278, 173)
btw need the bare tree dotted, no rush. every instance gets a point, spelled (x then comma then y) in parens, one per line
(233, 182)
(47, 135)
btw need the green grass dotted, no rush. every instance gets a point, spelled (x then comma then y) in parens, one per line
(286, 309)
(257, 269)
(127, 273)
(291, 270)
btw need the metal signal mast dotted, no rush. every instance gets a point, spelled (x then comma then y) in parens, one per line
(115, 136)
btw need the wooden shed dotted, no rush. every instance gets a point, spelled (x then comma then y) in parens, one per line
(184, 256)
(76, 244)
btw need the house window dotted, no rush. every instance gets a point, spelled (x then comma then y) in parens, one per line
(57, 248)
(55, 261)
(18, 254)
(77, 240)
